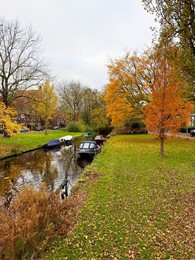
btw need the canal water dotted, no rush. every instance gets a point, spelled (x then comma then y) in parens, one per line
(56, 168)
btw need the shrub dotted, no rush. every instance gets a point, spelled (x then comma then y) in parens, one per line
(74, 127)
(30, 221)
(88, 128)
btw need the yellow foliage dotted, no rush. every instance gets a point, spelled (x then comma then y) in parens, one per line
(6, 120)
(46, 102)
(118, 107)
(130, 79)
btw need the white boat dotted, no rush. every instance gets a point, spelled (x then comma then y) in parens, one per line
(67, 139)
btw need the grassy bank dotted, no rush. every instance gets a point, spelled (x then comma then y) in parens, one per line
(27, 141)
(141, 207)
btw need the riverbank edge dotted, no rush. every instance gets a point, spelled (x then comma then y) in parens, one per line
(20, 153)
(77, 199)
(29, 150)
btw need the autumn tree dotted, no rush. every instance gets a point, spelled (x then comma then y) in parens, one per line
(130, 80)
(7, 122)
(46, 102)
(167, 111)
(118, 107)
(99, 119)
(21, 65)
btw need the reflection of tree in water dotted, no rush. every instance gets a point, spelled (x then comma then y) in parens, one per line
(68, 168)
(33, 162)
(84, 162)
(50, 171)
(51, 167)
(29, 168)
(9, 171)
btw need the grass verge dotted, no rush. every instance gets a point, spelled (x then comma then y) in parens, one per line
(27, 141)
(140, 207)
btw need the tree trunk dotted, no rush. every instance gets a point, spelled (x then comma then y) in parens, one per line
(162, 146)
(46, 126)
(5, 94)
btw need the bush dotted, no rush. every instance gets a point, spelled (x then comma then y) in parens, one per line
(88, 128)
(30, 221)
(74, 127)
(104, 130)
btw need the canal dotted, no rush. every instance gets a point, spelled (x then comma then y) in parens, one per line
(56, 168)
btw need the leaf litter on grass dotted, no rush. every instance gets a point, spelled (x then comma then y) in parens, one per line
(141, 207)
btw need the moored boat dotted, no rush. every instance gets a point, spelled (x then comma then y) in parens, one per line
(54, 143)
(99, 139)
(88, 149)
(88, 134)
(66, 140)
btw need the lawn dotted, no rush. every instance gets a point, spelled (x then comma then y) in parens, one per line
(27, 141)
(140, 207)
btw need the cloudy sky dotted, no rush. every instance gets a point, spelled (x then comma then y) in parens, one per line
(79, 36)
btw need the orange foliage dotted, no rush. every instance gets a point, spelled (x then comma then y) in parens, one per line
(130, 79)
(167, 111)
(118, 107)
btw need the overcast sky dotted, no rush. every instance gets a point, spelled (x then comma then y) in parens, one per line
(79, 36)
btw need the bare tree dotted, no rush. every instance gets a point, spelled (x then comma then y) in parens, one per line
(71, 99)
(21, 65)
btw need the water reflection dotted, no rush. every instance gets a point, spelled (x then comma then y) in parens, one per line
(56, 168)
(84, 162)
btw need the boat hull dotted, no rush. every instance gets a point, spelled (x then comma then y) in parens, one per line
(88, 149)
(53, 144)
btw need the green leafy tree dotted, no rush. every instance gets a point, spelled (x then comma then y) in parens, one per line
(46, 103)
(177, 20)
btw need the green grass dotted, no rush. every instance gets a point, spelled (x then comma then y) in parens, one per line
(141, 207)
(27, 141)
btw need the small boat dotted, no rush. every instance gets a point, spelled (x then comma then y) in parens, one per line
(88, 134)
(192, 132)
(99, 139)
(88, 149)
(66, 140)
(54, 143)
